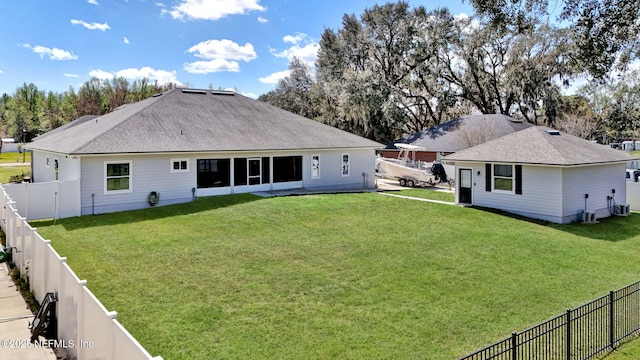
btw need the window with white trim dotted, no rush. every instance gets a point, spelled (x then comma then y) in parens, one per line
(503, 179)
(117, 176)
(179, 165)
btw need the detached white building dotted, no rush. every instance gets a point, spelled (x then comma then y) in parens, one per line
(187, 143)
(543, 174)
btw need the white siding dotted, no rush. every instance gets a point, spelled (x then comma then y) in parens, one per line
(540, 198)
(554, 193)
(361, 174)
(153, 173)
(68, 167)
(598, 181)
(148, 173)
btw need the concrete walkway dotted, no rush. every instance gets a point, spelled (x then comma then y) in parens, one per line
(10, 164)
(420, 199)
(14, 324)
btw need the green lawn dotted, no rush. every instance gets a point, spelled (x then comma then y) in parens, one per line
(628, 351)
(348, 276)
(6, 172)
(12, 157)
(426, 194)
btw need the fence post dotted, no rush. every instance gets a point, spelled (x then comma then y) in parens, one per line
(568, 341)
(612, 338)
(514, 346)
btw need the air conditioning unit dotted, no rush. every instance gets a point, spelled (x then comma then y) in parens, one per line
(622, 210)
(589, 217)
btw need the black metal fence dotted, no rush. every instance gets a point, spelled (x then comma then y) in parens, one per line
(582, 333)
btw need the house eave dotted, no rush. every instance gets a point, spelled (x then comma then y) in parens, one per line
(454, 162)
(220, 151)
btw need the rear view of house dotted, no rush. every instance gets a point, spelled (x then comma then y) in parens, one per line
(187, 143)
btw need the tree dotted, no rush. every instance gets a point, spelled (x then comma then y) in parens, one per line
(617, 107)
(52, 114)
(69, 106)
(576, 117)
(24, 112)
(90, 98)
(4, 106)
(114, 94)
(604, 32)
(293, 92)
(379, 76)
(508, 73)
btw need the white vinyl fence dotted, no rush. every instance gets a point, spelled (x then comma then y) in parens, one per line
(633, 195)
(81, 319)
(46, 200)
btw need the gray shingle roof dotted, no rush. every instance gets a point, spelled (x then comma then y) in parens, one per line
(539, 145)
(189, 121)
(460, 133)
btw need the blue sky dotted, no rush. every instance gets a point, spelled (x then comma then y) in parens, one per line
(244, 45)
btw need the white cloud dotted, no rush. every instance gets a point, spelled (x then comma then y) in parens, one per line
(223, 49)
(262, 20)
(248, 94)
(295, 39)
(0, 71)
(275, 77)
(70, 75)
(220, 56)
(101, 74)
(211, 66)
(304, 48)
(125, 40)
(53, 54)
(161, 76)
(91, 26)
(307, 53)
(211, 9)
(93, 2)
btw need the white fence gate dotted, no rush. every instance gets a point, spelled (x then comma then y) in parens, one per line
(81, 319)
(633, 195)
(46, 200)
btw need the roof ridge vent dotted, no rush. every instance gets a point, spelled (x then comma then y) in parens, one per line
(222, 92)
(552, 132)
(193, 91)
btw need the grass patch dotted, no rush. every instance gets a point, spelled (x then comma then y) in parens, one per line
(348, 276)
(13, 157)
(10, 173)
(626, 351)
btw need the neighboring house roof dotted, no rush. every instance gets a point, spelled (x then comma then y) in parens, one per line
(463, 132)
(543, 146)
(187, 120)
